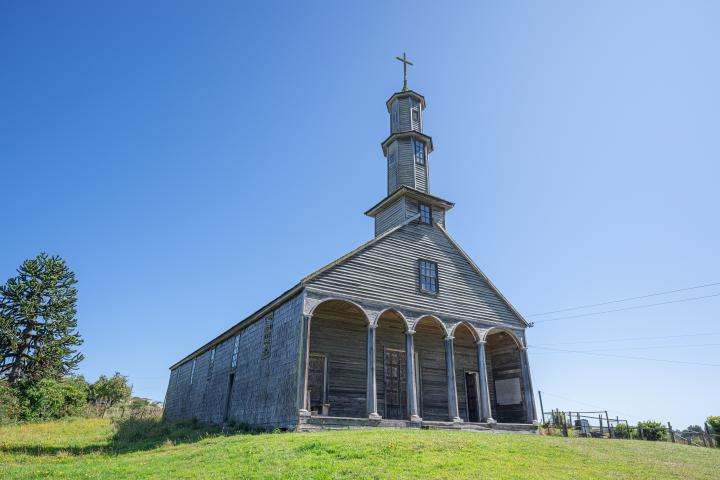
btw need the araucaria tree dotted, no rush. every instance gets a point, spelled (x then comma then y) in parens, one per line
(38, 324)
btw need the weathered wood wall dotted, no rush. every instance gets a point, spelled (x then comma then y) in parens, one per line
(390, 333)
(386, 273)
(503, 359)
(465, 361)
(339, 331)
(433, 390)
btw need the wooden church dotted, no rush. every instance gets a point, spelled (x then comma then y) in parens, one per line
(403, 331)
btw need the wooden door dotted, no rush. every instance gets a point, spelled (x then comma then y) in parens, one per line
(317, 382)
(395, 384)
(471, 387)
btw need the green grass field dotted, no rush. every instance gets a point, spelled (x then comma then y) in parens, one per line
(96, 448)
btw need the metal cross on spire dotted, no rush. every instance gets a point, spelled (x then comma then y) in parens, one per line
(405, 62)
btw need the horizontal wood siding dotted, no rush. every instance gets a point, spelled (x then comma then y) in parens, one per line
(386, 272)
(342, 337)
(391, 217)
(433, 390)
(439, 215)
(406, 162)
(404, 104)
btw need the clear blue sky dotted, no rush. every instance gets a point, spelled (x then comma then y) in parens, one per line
(192, 160)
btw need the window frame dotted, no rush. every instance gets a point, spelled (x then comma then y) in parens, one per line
(423, 159)
(421, 276)
(429, 215)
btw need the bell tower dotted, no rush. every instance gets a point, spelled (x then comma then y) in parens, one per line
(407, 153)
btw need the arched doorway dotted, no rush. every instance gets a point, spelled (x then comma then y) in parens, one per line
(466, 373)
(391, 366)
(505, 377)
(337, 363)
(431, 369)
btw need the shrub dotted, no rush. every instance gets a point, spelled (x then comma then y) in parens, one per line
(621, 431)
(9, 404)
(653, 431)
(714, 423)
(48, 398)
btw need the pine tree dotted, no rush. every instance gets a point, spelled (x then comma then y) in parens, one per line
(38, 324)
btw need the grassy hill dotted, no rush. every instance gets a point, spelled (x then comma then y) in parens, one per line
(96, 448)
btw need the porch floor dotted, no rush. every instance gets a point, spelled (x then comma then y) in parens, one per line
(320, 422)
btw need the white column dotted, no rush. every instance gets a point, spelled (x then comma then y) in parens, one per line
(371, 383)
(452, 386)
(485, 412)
(412, 392)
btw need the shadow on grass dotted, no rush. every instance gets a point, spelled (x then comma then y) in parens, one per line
(135, 434)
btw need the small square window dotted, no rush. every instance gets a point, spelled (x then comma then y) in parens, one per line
(419, 152)
(425, 214)
(428, 276)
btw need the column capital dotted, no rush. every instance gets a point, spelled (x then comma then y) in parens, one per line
(410, 332)
(449, 337)
(482, 341)
(372, 326)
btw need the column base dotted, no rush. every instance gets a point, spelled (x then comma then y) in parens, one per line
(304, 413)
(374, 416)
(415, 419)
(457, 420)
(490, 421)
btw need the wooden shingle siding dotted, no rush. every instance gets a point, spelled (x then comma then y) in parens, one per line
(264, 391)
(432, 391)
(386, 272)
(390, 217)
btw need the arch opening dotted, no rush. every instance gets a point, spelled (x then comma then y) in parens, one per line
(431, 369)
(466, 373)
(390, 365)
(507, 391)
(337, 363)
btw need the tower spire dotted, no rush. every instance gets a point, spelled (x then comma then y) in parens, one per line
(405, 63)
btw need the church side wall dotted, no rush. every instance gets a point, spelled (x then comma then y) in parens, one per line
(264, 390)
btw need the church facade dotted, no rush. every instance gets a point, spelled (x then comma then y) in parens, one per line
(404, 331)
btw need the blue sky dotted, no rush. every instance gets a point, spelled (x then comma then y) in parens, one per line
(192, 160)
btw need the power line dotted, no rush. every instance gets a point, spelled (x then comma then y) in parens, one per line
(631, 339)
(636, 307)
(598, 354)
(624, 299)
(651, 347)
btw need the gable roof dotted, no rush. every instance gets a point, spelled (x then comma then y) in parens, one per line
(298, 288)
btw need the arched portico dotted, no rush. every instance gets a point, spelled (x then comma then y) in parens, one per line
(467, 375)
(509, 385)
(337, 380)
(431, 369)
(391, 365)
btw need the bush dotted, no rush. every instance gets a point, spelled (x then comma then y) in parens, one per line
(621, 431)
(714, 423)
(49, 399)
(651, 430)
(107, 392)
(9, 404)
